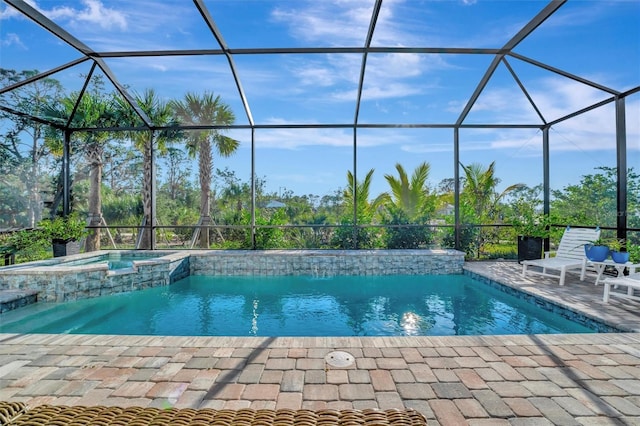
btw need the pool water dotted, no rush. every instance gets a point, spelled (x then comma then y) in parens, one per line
(438, 305)
(114, 261)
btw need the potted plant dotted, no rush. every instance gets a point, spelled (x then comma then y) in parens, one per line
(65, 233)
(531, 228)
(597, 250)
(616, 245)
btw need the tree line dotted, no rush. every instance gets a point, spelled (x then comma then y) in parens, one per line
(112, 183)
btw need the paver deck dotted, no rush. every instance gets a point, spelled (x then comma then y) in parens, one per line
(589, 379)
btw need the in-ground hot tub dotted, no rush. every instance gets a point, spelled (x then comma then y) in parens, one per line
(115, 260)
(97, 273)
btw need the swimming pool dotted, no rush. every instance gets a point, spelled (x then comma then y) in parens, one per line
(391, 305)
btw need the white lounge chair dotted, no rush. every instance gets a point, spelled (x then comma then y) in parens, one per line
(631, 282)
(569, 255)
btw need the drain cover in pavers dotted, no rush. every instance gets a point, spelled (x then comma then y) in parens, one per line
(339, 359)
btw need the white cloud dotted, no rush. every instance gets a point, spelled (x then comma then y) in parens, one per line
(315, 74)
(328, 23)
(587, 13)
(160, 66)
(12, 39)
(588, 132)
(93, 12)
(314, 177)
(125, 25)
(168, 75)
(9, 12)
(591, 131)
(293, 139)
(394, 66)
(446, 146)
(390, 90)
(555, 97)
(313, 79)
(96, 13)
(345, 23)
(298, 138)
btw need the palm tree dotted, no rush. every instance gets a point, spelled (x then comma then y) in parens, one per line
(409, 203)
(93, 110)
(358, 192)
(206, 110)
(357, 195)
(161, 114)
(410, 196)
(479, 190)
(479, 197)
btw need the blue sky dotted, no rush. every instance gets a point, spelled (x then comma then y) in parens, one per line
(595, 40)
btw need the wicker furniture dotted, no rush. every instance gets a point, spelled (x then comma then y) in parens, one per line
(16, 413)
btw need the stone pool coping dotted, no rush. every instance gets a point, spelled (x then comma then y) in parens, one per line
(67, 263)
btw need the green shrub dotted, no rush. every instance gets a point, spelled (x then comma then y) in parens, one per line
(634, 253)
(266, 237)
(468, 237)
(29, 244)
(347, 237)
(71, 227)
(501, 251)
(405, 237)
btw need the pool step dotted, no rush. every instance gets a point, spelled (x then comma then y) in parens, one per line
(14, 298)
(48, 315)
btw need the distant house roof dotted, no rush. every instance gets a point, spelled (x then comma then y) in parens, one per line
(275, 204)
(446, 210)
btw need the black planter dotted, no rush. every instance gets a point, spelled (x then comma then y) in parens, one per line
(65, 247)
(529, 248)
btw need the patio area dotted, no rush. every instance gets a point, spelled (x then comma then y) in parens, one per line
(491, 380)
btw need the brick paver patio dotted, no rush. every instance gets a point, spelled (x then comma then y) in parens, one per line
(590, 379)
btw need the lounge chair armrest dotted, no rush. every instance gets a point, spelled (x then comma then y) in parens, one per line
(547, 254)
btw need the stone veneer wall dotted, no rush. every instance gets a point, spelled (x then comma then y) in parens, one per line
(59, 283)
(324, 263)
